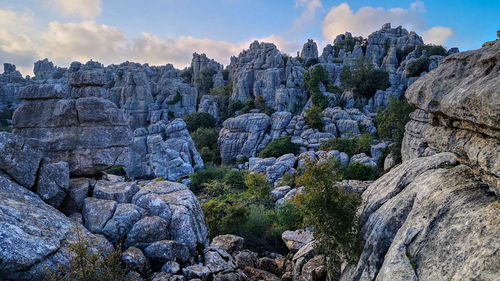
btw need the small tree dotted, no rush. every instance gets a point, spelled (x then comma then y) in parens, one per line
(314, 117)
(364, 79)
(197, 120)
(88, 263)
(278, 147)
(331, 212)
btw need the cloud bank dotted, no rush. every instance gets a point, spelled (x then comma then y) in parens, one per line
(366, 19)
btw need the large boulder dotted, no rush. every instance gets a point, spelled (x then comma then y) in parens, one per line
(80, 127)
(418, 213)
(243, 134)
(178, 206)
(35, 236)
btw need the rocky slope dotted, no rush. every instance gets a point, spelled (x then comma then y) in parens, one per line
(436, 217)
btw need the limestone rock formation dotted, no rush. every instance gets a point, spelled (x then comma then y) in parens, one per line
(164, 150)
(459, 111)
(79, 126)
(244, 134)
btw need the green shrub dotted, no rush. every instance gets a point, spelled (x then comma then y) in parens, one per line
(432, 50)
(234, 106)
(204, 176)
(319, 100)
(187, 75)
(171, 114)
(416, 67)
(205, 137)
(338, 61)
(351, 146)
(177, 98)
(247, 212)
(205, 81)
(205, 140)
(197, 120)
(391, 124)
(314, 117)
(364, 79)
(331, 212)
(288, 179)
(88, 264)
(5, 118)
(311, 62)
(278, 147)
(356, 171)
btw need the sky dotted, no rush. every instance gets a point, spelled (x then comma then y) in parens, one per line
(169, 31)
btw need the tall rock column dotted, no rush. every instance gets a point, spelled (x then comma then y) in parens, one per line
(80, 127)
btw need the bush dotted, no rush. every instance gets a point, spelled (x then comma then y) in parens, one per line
(416, 67)
(331, 212)
(88, 264)
(225, 74)
(364, 79)
(350, 146)
(278, 147)
(319, 100)
(187, 75)
(391, 124)
(247, 212)
(311, 62)
(197, 120)
(205, 140)
(201, 177)
(357, 171)
(314, 117)
(177, 98)
(5, 118)
(234, 106)
(432, 50)
(205, 81)
(205, 137)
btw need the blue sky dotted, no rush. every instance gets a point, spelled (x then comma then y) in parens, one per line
(168, 31)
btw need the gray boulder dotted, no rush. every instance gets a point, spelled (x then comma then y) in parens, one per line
(146, 231)
(53, 182)
(124, 218)
(228, 242)
(167, 250)
(96, 213)
(135, 260)
(121, 192)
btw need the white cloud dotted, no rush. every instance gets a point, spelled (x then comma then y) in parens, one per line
(366, 19)
(437, 35)
(85, 9)
(308, 15)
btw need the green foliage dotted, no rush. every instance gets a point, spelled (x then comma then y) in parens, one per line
(205, 140)
(235, 105)
(412, 260)
(402, 53)
(319, 100)
(288, 179)
(278, 147)
(197, 120)
(391, 124)
(314, 117)
(364, 79)
(88, 264)
(171, 114)
(432, 50)
(204, 176)
(351, 146)
(205, 82)
(331, 212)
(387, 46)
(225, 91)
(187, 75)
(416, 67)
(338, 61)
(177, 98)
(311, 62)
(244, 209)
(356, 171)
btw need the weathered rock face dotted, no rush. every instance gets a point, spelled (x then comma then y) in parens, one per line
(459, 106)
(34, 235)
(419, 212)
(201, 63)
(164, 150)
(79, 126)
(245, 135)
(309, 51)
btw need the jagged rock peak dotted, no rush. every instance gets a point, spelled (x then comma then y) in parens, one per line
(309, 50)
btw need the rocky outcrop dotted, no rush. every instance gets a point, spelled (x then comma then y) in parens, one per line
(243, 135)
(309, 51)
(79, 126)
(459, 111)
(446, 189)
(164, 150)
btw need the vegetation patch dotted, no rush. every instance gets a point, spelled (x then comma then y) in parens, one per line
(278, 147)
(364, 79)
(197, 120)
(351, 146)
